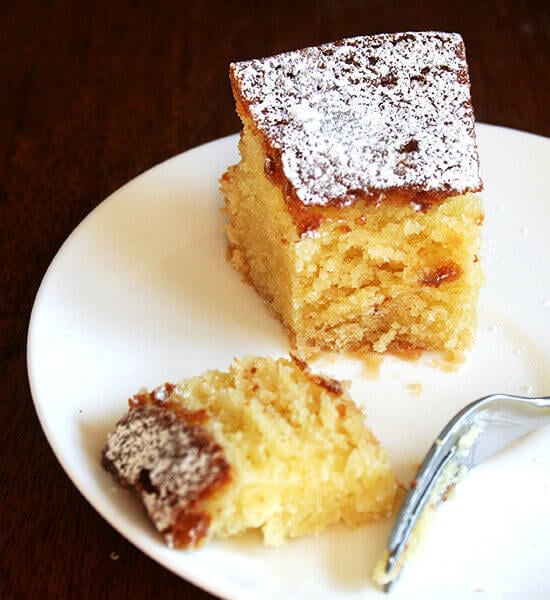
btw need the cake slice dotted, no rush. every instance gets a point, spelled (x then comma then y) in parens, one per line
(266, 446)
(353, 209)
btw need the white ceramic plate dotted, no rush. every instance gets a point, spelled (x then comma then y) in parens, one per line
(141, 293)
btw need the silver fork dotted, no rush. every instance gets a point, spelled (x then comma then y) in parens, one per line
(477, 432)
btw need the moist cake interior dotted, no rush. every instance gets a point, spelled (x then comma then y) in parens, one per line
(376, 244)
(266, 445)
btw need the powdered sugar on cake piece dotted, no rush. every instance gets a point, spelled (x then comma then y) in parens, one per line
(169, 460)
(367, 116)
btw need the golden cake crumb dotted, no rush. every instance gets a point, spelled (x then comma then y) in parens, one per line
(415, 389)
(267, 445)
(360, 229)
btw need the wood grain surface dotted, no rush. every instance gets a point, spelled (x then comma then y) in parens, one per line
(94, 93)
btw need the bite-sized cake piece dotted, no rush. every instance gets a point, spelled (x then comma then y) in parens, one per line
(352, 210)
(267, 445)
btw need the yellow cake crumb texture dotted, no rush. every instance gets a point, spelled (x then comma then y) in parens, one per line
(301, 455)
(382, 277)
(267, 445)
(353, 210)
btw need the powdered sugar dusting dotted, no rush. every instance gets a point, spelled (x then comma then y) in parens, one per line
(170, 462)
(367, 115)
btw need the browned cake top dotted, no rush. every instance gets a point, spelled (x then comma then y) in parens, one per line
(367, 116)
(172, 461)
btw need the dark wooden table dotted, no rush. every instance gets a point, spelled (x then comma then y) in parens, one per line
(94, 93)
